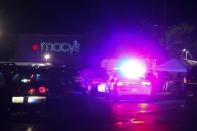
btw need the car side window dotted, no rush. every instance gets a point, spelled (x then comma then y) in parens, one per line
(2, 80)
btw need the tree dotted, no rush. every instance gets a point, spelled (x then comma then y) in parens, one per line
(178, 37)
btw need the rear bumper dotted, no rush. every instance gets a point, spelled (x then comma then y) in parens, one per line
(38, 103)
(133, 90)
(28, 100)
(58, 107)
(27, 107)
(28, 103)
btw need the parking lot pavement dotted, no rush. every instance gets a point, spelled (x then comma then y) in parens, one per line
(161, 114)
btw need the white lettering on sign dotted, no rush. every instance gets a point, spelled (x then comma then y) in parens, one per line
(60, 47)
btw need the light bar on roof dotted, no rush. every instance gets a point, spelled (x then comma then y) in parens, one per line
(133, 69)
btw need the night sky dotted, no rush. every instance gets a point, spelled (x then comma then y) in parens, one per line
(98, 20)
(77, 17)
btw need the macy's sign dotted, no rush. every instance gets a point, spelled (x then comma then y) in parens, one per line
(57, 47)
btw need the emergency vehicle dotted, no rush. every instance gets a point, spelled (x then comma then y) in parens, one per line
(130, 77)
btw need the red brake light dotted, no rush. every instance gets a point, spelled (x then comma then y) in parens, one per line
(31, 91)
(42, 89)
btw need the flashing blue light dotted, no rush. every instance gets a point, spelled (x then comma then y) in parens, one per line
(133, 69)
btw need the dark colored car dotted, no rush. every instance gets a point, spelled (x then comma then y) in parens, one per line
(48, 90)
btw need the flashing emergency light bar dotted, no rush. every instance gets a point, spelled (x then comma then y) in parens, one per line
(133, 69)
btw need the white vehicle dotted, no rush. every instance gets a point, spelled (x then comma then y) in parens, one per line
(131, 77)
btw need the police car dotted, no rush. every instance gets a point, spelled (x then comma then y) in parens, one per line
(131, 77)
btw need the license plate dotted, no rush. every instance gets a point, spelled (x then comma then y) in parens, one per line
(17, 99)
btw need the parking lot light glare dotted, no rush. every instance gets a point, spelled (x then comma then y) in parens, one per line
(47, 57)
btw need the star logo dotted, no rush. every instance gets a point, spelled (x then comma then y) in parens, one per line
(35, 47)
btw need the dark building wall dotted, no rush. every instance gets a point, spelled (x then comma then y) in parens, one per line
(63, 48)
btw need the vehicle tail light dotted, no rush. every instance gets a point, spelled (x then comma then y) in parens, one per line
(31, 91)
(42, 89)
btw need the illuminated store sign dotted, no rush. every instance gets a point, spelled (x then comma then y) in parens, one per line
(57, 47)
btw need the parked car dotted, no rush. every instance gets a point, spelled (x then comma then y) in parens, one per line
(44, 90)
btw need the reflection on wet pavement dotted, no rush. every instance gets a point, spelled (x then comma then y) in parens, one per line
(122, 116)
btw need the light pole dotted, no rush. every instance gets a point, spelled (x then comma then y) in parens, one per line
(186, 53)
(47, 57)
